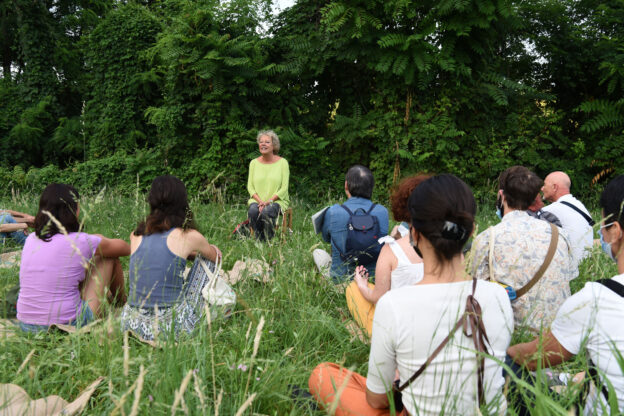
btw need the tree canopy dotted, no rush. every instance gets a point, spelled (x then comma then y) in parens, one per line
(111, 93)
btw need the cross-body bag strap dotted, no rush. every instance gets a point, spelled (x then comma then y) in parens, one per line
(552, 248)
(589, 219)
(471, 318)
(613, 285)
(595, 378)
(490, 254)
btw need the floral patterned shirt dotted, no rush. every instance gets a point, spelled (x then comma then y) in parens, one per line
(519, 244)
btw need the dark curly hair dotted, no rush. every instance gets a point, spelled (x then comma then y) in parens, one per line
(61, 202)
(169, 207)
(398, 199)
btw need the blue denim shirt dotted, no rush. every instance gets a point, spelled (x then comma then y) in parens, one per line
(335, 232)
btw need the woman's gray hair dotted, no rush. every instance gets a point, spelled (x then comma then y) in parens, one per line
(274, 139)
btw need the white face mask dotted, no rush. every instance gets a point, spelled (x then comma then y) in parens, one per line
(606, 247)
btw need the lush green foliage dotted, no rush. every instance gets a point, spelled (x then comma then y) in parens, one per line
(465, 86)
(304, 326)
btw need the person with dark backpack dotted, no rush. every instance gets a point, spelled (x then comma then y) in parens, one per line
(591, 320)
(352, 228)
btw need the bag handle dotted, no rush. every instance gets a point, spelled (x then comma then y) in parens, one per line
(472, 317)
(366, 212)
(552, 248)
(212, 282)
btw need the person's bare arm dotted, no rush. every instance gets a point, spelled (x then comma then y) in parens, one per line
(548, 353)
(377, 400)
(395, 233)
(257, 199)
(112, 247)
(12, 227)
(199, 244)
(20, 216)
(383, 271)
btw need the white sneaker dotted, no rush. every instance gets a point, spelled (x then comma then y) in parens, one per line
(323, 261)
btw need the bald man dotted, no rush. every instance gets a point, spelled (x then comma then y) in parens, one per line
(574, 217)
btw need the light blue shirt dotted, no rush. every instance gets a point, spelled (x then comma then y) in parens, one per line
(335, 232)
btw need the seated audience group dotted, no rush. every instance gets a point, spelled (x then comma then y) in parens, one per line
(440, 324)
(521, 270)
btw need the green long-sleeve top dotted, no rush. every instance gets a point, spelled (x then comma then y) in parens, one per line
(267, 180)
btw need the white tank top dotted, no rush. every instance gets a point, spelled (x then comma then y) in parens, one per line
(406, 273)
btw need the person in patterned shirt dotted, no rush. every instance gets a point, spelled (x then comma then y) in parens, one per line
(512, 251)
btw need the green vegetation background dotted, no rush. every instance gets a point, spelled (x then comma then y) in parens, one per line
(103, 92)
(303, 314)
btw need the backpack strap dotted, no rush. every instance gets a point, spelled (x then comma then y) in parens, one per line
(351, 213)
(589, 219)
(552, 248)
(346, 209)
(471, 319)
(613, 285)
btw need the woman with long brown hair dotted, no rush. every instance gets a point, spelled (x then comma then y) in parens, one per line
(161, 300)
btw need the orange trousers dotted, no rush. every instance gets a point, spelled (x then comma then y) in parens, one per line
(362, 310)
(327, 379)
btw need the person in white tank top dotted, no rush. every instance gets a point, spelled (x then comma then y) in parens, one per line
(398, 264)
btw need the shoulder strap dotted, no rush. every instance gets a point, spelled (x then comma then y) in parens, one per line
(398, 251)
(371, 208)
(613, 285)
(471, 319)
(346, 209)
(490, 251)
(577, 209)
(595, 378)
(552, 248)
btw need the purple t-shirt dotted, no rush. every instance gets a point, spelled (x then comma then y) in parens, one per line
(50, 273)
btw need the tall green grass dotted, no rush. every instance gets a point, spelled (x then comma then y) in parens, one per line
(302, 327)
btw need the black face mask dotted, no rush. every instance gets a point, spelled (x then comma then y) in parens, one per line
(415, 246)
(499, 203)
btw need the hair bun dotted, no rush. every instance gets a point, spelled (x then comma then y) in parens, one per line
(452, 231)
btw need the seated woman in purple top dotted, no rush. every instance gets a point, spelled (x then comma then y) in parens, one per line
(66, 275)
(161, 299)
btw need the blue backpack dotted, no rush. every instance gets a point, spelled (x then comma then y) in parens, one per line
(363, 231)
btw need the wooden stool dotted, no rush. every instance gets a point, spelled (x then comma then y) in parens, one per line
(287, 221)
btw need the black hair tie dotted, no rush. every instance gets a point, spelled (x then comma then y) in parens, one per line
(452, 231)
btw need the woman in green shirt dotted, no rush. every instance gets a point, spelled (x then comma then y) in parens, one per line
(267, 186)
